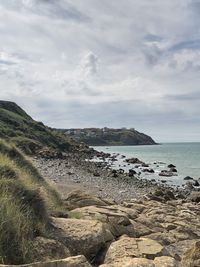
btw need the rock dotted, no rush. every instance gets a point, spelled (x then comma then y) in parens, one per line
(145, 165)
(132, 173)
(85, 237)
(134, 161)
(166, 173)
(148, 170)
(177, 249)
(161, 195)
(115, 218)
(173, 170)
(171, 166)
(188, 178)
(127, 247)
(77, 261)
(129, 262)
(196, 183)
(165, 262)
(78, 199)
(191, 258)
(48, 249)
(194, 197)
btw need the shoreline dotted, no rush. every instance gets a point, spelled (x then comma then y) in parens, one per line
(77, 172)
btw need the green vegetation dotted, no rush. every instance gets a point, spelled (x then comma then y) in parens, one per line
(26, 201)
(29, 135)
(109, 137)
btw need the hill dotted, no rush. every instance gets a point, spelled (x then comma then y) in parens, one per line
(109, 137)
(18, 127)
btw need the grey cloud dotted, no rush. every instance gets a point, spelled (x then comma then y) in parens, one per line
(103, 63)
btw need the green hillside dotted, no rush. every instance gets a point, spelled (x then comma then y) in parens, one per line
(29, 135)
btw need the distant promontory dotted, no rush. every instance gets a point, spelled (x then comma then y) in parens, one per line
(110, 137)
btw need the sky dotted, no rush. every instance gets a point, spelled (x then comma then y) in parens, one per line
(114, 63)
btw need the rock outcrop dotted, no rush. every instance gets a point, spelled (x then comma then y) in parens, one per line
(85, 237)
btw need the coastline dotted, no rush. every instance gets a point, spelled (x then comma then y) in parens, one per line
(79, 172)
(110, 214)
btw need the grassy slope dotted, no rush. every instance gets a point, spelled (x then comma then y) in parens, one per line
(18, 127)
(26, 201)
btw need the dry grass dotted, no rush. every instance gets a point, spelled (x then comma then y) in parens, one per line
(25, 203)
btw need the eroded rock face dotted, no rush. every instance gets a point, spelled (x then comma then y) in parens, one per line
(84, 237)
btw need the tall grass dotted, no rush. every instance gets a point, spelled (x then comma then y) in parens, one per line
(25, 202)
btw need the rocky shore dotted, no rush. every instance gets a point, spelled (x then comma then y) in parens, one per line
(77, 171)
(115, 219)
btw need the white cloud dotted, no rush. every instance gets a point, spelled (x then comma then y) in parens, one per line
(101, 62)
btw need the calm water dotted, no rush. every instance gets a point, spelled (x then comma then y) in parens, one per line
(185, 156)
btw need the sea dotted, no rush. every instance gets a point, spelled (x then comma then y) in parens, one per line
(185, 156)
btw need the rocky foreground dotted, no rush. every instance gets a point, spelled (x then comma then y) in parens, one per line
(125, 222)
(150, 232)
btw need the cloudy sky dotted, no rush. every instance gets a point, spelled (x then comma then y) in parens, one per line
(115, 63)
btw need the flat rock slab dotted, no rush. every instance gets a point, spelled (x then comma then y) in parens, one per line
(127, 247)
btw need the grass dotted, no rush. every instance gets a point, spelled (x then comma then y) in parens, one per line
(26, 201)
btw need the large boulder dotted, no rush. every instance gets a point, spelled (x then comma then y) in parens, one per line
(77, 199)
(127, 247)
(116, 218)
(85, 237)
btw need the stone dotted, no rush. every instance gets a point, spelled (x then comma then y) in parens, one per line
(129, 262)
(84, 237)
(171, 166)
(177, 249)
(134, 161)
(77, 199)
(48, 249)
(188, 178)
(127, 247)
(191, 258)
(194, 197)
(165, 261)
(116, 218)
(166, 173)
(76, 261)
